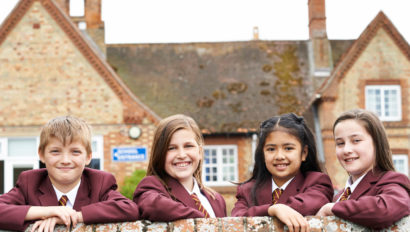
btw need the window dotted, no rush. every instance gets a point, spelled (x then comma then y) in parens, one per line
(77, 8)
(401, 164)
(385, 101)
(220, 165)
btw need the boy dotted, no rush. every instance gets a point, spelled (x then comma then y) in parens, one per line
(65, 192)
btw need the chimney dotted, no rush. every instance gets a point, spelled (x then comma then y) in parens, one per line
(90, 21)
(255, 33)
(320, 47)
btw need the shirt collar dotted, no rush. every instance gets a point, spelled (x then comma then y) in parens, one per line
(354, 184)
(195, 188)
(283, 187)
(71, 195)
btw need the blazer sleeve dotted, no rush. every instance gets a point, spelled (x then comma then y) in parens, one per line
(156, 204)
(390, 203)
(316, 192)
(112, 207)
(13, 206)
(243, 206)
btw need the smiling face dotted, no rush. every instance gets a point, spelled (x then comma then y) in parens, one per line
(183, 157)
(64, 163)
(283, 156)
(354, 148)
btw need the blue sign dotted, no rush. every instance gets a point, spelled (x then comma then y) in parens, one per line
(129, 154)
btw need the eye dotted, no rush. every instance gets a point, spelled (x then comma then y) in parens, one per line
(289, 148)
(356, 140)
(171, 148)
(54, 151)
(339, 144)
(270, 149)
(77, 152)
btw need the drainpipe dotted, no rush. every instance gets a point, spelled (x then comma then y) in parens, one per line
(318, 132)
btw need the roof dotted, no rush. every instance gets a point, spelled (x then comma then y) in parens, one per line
(134, 109)
(353, 53)
(226, 87)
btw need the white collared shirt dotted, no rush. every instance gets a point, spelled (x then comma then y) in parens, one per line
(352, 185)
(71, 195)
(204, 201)
(283, 187)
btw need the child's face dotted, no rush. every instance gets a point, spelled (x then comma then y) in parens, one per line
(283, 156)
(65, 163)
(183, 156)
(354, 148)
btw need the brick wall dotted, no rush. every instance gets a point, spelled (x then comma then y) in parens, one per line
(261, 224)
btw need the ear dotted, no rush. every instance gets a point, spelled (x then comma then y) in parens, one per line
(88, 159)
(41, 156)
(305, 153)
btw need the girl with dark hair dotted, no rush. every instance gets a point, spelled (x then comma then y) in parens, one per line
(375, 195)
(173, 187)
(287, 181)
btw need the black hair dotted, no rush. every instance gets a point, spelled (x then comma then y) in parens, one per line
(294, 125)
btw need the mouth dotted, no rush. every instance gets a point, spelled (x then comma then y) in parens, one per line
(349, 160)
(281, 166)
(182, 164)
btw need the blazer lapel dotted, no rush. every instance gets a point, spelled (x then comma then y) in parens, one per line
(48, 196)
(293, 188)
(214, 204)
(180, 192)
(264, 193)
(83, 194)
(366, 183)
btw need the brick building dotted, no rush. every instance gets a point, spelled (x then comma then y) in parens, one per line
(54, 63)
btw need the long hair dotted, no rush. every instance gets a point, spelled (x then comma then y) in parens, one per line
(372, 124)
(294, 125)
(162, 137)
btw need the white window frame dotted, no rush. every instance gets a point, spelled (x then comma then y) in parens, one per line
(3, 148)
(99, 153)
(382, 88)
(405, 159)
(220, 165)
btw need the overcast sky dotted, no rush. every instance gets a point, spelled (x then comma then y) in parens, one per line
(166, 21)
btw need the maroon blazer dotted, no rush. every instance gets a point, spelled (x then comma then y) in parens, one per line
(305, 194)
(378, 201)
(96, 199)
(157, 204)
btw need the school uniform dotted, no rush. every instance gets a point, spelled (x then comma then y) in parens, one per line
(157, 204)
(379, 200)
(305, 193)
(96, 198)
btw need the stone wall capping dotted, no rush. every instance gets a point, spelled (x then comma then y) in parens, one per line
(242, 224)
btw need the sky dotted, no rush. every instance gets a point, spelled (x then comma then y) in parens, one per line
(180, 21)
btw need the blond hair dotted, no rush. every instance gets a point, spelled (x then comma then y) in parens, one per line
(66, 129)
(162, 137)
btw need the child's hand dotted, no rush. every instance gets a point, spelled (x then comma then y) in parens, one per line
(66, 214)
(290, 217)
(47, 224)
(326, 210)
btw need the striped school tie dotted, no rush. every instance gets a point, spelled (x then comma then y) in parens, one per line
(199, 205)
(63, 200)
(345, 194)
(276, 194)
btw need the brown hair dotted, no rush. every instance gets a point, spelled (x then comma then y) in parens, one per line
(375, 128)
(162, 137)
(66, 129)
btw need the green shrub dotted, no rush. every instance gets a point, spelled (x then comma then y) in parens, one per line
(131, 182)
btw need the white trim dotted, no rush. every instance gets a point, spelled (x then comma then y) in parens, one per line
(99, 152)
(3, 147)
(220, 165)
(405, 159)
(12, 163)
(382, 114)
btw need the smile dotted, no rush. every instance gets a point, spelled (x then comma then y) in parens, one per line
(182, 164)
(350, 159)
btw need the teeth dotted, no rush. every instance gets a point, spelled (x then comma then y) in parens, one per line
(351, 159)
(182, 164)
(281, 165)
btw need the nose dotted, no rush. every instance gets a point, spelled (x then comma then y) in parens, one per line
(279, 155)
(347, 148)
(181, 153)
(65, 158)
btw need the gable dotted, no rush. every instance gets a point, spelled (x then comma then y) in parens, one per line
(47, 63)
(44, 74)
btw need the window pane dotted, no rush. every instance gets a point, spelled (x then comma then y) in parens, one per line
(1, 176)
(94, 164)
(22, 147)
(77, 8)
(17, 171)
